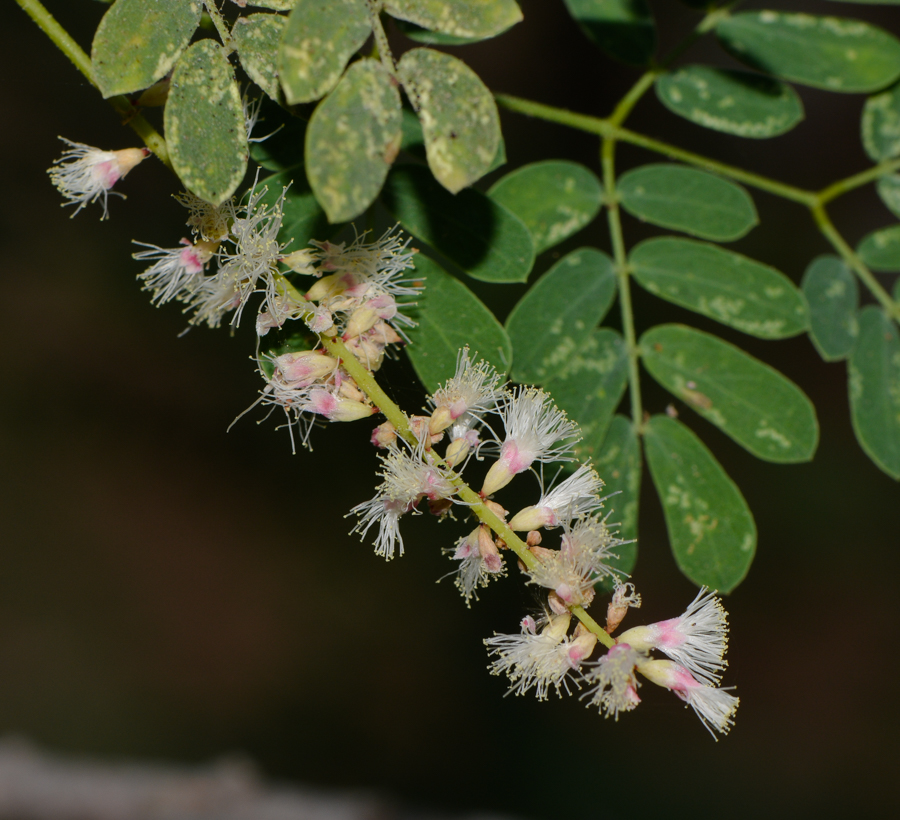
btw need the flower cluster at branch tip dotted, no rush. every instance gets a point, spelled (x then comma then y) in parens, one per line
(353, 312)
(84, 174)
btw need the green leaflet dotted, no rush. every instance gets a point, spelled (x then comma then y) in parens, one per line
(880, 250)
(433, 38)
(204, 123)
(304, 218)
(880, 124)
(318, 40)
(553, 320)
(470, 19)
(414, 141)
(137, 43)
(721, 284)
(895, 293)
(734, 102)
(459, 117)
(482, 237)
(276, 5)
(352, 139)
(874, 388)
(554, 198)
(618, 463)
(710, 526)
(824, 52)
(753, 403)
(591, 385)
(684, 199)
(450, 317)
(889, 190)
(257, 37)
(622, 28)
(833, 296)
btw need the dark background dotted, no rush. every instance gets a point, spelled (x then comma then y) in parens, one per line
(170, 591)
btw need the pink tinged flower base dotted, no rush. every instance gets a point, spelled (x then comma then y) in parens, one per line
(512, 461)
(336, 409)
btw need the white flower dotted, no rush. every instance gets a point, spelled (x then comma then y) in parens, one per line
(365, 284)
(613, 682)
(697, 639)
(407, 478)
(212, 297)
(624, 597)
(536, 430)
(85, 174)
(474, 390)
(479, 562)
(540, 660)
(210, 222)
(253, 263)
(715, 707)
(175, 271)
(572, 571)
(576, 496)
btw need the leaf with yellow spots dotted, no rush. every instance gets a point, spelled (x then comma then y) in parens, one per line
(458, 115)
(710, 526)
(352, 140)
(137, 42)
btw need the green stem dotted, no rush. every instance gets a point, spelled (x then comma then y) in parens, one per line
(221, 26)
(605, 128)
(842, 186)
(366, 382)
(64, 42)
(622, 275)
(826, 226)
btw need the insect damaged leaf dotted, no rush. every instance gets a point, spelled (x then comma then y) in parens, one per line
(137, 42)
(754, 404)
(352, 139)
(471, 19)
(458, 115)
(317, 42)
(710, 526)
(204, 123)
